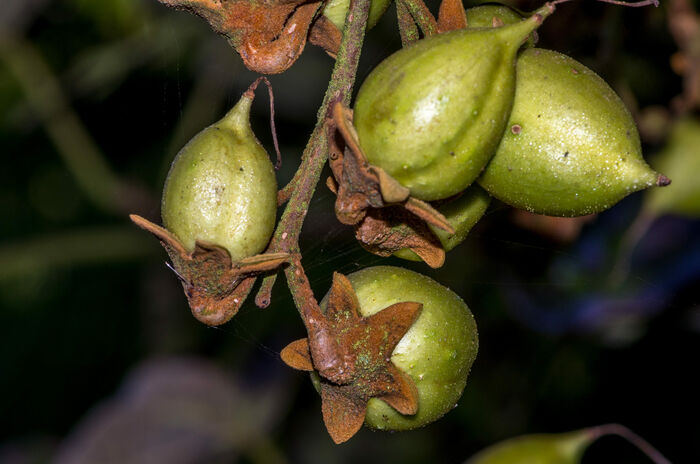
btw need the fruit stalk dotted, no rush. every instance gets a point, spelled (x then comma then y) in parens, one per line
(286, 236)
(422, 16)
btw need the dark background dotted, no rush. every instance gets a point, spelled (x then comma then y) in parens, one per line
(100, 357)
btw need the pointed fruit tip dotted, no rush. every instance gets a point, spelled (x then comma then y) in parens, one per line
(663, 181)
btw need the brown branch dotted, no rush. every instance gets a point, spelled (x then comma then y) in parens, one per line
(286, 237)
(407, 26)
(422, 16)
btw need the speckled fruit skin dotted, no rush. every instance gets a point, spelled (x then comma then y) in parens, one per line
(462, 214)
(336, 10)
(437, 351)
(221, 188)
(570, 147)
(563, 448)
(432, 114)
(482, 15)
(679, 160)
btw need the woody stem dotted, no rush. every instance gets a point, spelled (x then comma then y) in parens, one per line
(286, 237)
(422, 16)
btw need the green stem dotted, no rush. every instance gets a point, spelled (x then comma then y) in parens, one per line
(73, 248)
(79, 151)
(286, 237)
(422, 16)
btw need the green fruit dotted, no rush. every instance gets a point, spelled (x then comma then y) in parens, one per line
(462, 214)
(431, 114)
(484, 15)
(221, 188)
(336, 10)
(571, 147)
(563, 448)
(680, 160)
(437, 352)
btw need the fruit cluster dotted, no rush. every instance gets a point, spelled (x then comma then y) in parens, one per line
(438, 128)
(473, 110)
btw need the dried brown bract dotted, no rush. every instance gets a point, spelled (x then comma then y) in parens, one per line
(215, 287)
(352, 354)
(386, 217)
(269, 35)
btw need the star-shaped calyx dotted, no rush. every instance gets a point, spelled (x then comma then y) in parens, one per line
(270, 34)
(215, 286)
(352, 355)
(385, 215)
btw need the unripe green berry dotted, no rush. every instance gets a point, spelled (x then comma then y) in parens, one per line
(432, 114)
(484, 15)
(571, 147)
(462, 214)
(437, 351)
(221, 188)
(336, 10)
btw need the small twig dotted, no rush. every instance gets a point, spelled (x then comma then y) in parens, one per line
(285, 192)
(286, 236)
(407, 25)
(634, 234)
(250, 92)
(422, 16)
(623, 432)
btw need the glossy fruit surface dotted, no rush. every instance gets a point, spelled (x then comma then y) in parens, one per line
(336, 10)
(437, 351)
(482, 15)
(485, 15)
(571, 147)
(432, 114)
(680, 160)
(562, 448)
(221, 188)
(462, 213)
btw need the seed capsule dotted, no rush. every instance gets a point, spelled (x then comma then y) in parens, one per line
(571, 147)
(431, 115)
(437, 352)
(221, 188)
(462, 213)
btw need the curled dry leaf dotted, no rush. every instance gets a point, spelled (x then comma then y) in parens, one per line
(268, 35)
(388, 230)
(215, 287)
(352, 354)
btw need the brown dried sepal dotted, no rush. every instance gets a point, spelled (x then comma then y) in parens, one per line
(384, 214)
(326, 35)
(352, 355)
(215, 287)
(451, 16)
(388, 230)
(269, 35)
